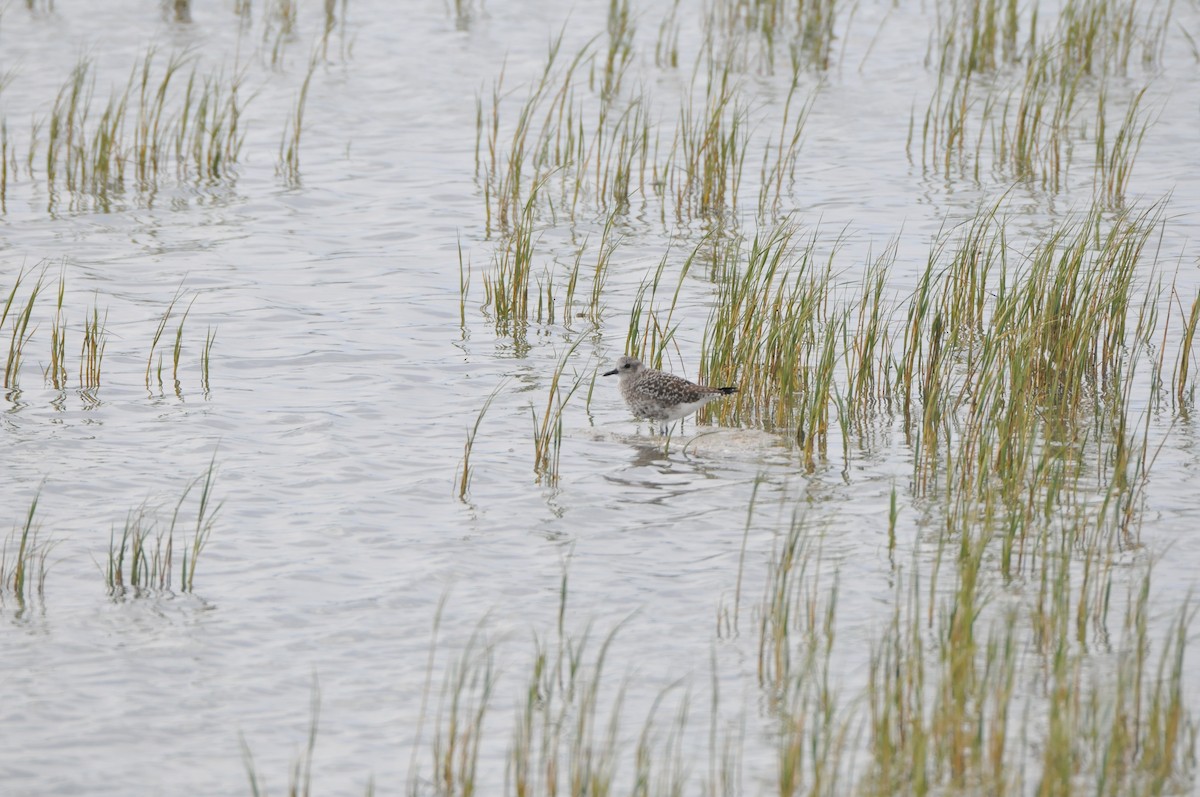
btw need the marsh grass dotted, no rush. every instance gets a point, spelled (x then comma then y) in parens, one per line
(506, 170)
(465, 473)
(1034, 141)
(763, 33)
(652, 330)
(464, 287)
(577, 139)
(968, 689)
(288, 164)
(1101, 36)
(983, 355)
(135, 560)
(466, 692)
(464, 12)
(548, 429)
(7, 156)
(558, 290)
(95, 151)
(21, 315)
(942, 707)
(1003, 408)
(709, 149)
(506, 288)
(157, 338)
(794, 600)
(334, 21)
(604, 258)
(210, 337)
(1184, 392)
(279, 29)
(23, 561)
(20, 333)
(618, 51)
(772, 332)
(154, 368)
(91, 354)
(606, 147)
(979, 35)
(566, 723)
(181, 10)
(56, 370)
(666, 46)
(778, 173)
(300, 774)
(177, 348)
(1115, 156)
(1033, 124)
(153, 118)
(142, 560)
(208, 138)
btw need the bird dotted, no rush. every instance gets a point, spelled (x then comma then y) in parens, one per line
(659, 396)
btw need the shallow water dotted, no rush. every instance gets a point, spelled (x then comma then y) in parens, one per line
(343, 386)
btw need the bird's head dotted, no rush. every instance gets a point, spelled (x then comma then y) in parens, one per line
(626, 365)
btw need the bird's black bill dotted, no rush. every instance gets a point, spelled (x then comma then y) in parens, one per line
(613, 372)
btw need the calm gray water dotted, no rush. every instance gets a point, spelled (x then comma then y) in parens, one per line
(343, 386)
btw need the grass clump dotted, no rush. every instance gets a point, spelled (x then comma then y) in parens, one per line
(300, 775)
(650, 331)
(548, 429)
(21, 315)
(709, 150)
(772, 326)
(984, 349)
(154, 368)
(143, 559)
(565, 738)
(603, 145)
(506, 289)
(20, 333)
(95, 156)
(1184, 391)
(1031, 120)
(23, 563)
(56, 369)
(952, 717)
(464, 478)
(288, 164)
(954, 699)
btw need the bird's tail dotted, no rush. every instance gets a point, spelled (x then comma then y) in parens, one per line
(727, 390)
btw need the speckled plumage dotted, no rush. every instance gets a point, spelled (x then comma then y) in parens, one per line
(659, 396)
